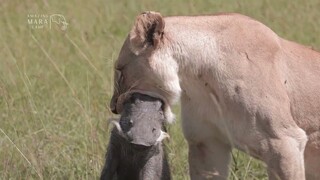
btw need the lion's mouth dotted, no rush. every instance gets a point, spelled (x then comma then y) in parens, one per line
(125, 96)
(169, 116)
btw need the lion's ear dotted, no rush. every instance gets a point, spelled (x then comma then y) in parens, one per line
(146, 32)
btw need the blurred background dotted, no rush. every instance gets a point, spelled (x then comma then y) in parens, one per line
(56, 82)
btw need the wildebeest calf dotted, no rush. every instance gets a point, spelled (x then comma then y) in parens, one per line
(135, 149)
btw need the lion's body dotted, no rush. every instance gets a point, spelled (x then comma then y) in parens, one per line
(241, 86)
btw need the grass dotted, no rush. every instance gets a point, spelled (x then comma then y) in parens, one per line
(55, 85)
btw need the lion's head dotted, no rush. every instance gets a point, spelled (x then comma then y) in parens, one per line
(146, 65)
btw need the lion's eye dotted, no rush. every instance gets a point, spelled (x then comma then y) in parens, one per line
(121, 77)
(118, 75)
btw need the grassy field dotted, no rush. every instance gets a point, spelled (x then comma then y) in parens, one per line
(55, 85)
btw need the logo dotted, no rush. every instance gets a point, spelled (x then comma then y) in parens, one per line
(42, 21)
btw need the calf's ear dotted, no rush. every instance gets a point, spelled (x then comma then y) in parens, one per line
(146, 32)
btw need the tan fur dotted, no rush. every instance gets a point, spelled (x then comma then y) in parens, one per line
(240, 85)
(147, 30)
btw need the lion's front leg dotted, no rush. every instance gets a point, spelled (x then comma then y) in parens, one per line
(209, 160)
(208, 157)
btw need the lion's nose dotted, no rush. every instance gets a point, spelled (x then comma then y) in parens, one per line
(114, 110)
(113, 105)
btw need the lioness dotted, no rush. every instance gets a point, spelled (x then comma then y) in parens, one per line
(240, 85)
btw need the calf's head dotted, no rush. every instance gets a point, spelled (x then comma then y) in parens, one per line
(142, 120)
(146, 65)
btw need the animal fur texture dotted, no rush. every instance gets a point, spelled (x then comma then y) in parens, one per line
(240, 85)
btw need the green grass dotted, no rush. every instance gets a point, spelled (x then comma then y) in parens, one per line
(55, 86)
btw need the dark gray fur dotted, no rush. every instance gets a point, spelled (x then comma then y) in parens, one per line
(134, 154)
